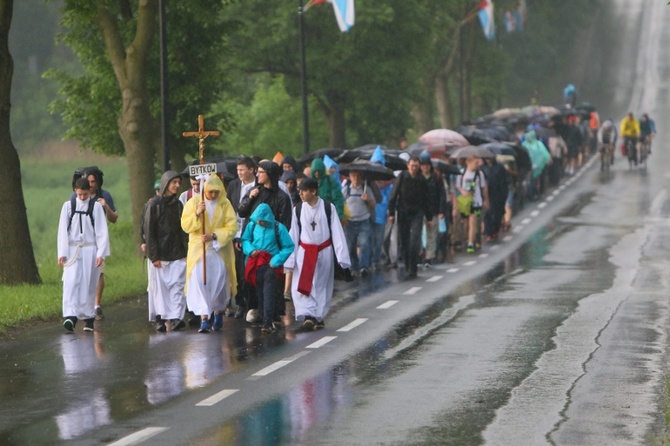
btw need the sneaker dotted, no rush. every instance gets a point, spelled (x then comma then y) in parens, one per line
(205, 326)
(89, 324)
(218, 321)
(365, 273)
(160, 326)
(308, 324)
(320, 325)
(268, 328)
(278, 322)
(252, 316)
(178, 324)
(98, 314)
(470, 249)
(287, 296)
(68, 324)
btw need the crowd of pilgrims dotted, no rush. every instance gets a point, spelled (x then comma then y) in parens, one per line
(244, 244)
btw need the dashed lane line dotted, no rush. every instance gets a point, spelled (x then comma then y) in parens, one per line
(470, 263)
(217, 397)
(434, 278)
(413, 290)
(525, 221)
(483, 255)
(355, 323)
(139, 436)
(277, 365)
(388, 304)
(452, 270)
(507, 238)
(321, 342)
(542, 205)
(535, 213)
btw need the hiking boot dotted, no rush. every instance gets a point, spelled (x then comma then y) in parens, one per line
(160, 326)
(98, 314)
(178, 324)
(268, 329)
(69, 324)
(218, 321)
(308, 324)
(205, 326)
(89, 325)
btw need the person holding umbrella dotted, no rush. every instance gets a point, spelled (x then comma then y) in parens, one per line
(357, 229)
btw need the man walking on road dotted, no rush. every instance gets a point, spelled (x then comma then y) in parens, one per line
(410, 199)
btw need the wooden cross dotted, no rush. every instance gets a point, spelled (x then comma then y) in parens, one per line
(313, 225)
(201, 134)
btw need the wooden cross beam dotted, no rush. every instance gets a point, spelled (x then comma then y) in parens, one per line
(201, 134)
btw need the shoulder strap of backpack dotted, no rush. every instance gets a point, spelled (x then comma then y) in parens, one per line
(73, 206)
(298, 211)
(73, 210)
(277, 234)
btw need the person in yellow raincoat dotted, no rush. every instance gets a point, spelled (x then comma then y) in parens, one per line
(220, 228)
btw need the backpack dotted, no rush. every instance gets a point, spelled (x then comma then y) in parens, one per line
(73, 210)
(82, 172)
(340, 273)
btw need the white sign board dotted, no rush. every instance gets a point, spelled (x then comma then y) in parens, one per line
(201, 169)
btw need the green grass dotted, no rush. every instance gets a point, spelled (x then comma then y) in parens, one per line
(46, 186)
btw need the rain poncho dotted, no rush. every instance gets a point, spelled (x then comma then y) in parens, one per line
(331, 164)
(539, 155)
(329, 188)
(257, 237)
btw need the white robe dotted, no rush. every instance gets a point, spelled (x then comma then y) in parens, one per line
(205, 299)
(318, 302)
(81, 246)
(166, 290)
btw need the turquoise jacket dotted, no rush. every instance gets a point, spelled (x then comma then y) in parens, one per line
(265, 238)
(539, 155)
(329, 188)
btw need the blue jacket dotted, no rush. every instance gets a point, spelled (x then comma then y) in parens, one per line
(264, 238)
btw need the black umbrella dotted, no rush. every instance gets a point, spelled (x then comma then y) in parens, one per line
(445, 167)
(309, 157)
(372, 171)
(467, 151)
(499, 148)
(474, 135)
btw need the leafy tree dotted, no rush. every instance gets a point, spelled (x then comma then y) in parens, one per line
(118, 47)
(362, 80)
(17, 262)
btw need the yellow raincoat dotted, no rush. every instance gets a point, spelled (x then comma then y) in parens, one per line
(224, 225)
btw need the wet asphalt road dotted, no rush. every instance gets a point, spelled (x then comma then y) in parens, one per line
(557, 334)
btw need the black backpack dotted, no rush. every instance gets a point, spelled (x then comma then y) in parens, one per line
(83, 172)
(340, 273)
(73, 210)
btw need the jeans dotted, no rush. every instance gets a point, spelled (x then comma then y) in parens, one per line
(410, 225)
(267, 292)
(358, 235)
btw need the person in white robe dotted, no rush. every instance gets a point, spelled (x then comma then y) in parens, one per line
(166, 248)
(312, 261)
(210, 294)
(82, 245)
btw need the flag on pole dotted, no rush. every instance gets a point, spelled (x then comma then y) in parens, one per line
(344, 12)
(486, 18)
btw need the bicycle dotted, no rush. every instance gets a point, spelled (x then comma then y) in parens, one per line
(644, 152)
(606, 156)
(631, 151)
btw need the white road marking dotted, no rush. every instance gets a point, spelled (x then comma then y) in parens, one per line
(494, 247)
(550, 198)
(278, 365)
(355, 323)
(412, 290)
(434, 278)
(139, 436)
(541, 205)
(212, 400)
(556, 192)
(517, 229)
(470, 263)
(452, 270)
(321, 342)
(507, 238)
(535, 213)
(657, 203)
(525, 221)
(387, 304)
(483, 255)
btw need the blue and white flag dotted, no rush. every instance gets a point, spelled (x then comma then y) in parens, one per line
(486, 19)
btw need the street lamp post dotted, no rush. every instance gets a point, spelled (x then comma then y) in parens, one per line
(303, 78)
(164, 84)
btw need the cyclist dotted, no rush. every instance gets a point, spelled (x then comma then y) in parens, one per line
(647, 130)
(630, 130)
(606, 137)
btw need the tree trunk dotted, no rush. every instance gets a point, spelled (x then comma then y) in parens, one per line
(137, 127)
(336, 125)
(443, 100)
(17, 260)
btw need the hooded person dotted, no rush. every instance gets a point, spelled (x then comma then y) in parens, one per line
(329, 189)
(332, 168)
(539, 155)
(291, 180)
(289, 163)
(267, 191)
(266, 244)
(220, 226)
(166, 248)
